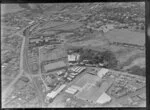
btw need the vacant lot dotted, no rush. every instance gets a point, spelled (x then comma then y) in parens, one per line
(52, 54)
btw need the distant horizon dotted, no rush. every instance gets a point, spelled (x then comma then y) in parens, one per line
(10, 8)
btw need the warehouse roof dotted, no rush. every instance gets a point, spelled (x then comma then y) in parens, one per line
(102, 72)
(73, 57)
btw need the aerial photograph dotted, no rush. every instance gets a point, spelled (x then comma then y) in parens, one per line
(73, 55)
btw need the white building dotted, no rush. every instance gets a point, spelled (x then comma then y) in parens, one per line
(73, 57)
(53, 94)
(78, 69)
(102, 72)
(104, 98)
(71, 90)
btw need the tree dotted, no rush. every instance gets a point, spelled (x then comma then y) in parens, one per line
(35, 67)
(138, 71)
(142, 27)
(98, 57)
(110, 58)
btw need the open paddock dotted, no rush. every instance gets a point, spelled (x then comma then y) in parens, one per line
(87, 78)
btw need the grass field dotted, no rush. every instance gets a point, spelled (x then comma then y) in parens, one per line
(59, 26)
(87, 78)
(70, 26)
(55, 54)
(91, 42)
(126, 36)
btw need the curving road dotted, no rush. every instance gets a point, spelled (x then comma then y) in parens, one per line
(21, 64)
(24, 68)
(25, 65)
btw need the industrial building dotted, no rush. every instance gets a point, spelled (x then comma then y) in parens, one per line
(42, 40)
(102, 72)
(73, 57)
(78, 69)
(53, 94)
(103, 99)
(71, 90)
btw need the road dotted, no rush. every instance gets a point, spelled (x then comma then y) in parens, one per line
(24, 67)
(5, 91)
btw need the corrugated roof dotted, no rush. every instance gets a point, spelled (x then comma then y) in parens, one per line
(76, 87)
(52, 94)
(70, 92)
(60, 88)
(72, 89)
